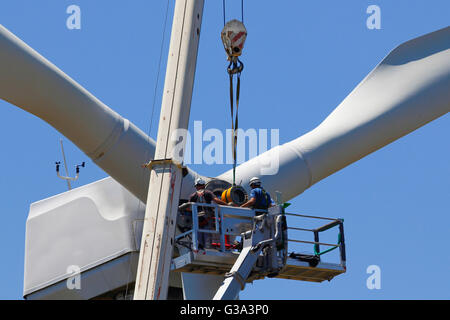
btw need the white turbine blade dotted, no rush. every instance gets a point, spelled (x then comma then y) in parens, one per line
(34, 84)
(408, 89)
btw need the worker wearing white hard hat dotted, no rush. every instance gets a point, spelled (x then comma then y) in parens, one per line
(259, 198)
(199, 181)
(254, 181)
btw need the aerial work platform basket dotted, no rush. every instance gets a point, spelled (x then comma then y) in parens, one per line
(214, 248)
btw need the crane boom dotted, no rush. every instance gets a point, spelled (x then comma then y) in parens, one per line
(152, 279)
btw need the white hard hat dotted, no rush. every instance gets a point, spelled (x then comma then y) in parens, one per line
(199, 181)
(254, 180)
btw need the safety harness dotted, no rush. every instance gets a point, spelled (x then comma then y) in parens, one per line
(266, 198)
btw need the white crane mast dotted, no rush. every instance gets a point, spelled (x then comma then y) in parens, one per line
(165, 180)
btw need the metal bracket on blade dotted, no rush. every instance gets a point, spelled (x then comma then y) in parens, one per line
(154, 162)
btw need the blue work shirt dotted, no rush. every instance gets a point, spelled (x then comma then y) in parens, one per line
(263, 199)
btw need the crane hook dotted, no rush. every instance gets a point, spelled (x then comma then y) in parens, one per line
(233, 37)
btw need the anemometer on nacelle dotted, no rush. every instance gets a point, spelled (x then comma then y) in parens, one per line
(77, 171)
(77, 168)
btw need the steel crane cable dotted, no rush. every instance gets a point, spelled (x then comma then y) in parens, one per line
(223, 9)
(242, 11)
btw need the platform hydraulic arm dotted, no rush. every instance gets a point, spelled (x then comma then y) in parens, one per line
(264, 252)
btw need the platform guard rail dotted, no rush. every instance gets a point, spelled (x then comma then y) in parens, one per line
(232, 221)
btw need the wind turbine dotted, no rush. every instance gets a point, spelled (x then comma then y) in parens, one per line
(413, 76)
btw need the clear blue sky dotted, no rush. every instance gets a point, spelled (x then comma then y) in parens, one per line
(302, 58)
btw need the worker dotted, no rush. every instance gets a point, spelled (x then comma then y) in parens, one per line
(205, 214)
(259, 198)
(202, 195)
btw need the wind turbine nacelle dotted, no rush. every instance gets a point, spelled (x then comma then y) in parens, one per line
(84, 243)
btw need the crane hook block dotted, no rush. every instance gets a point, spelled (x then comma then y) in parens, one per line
(233, 37)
